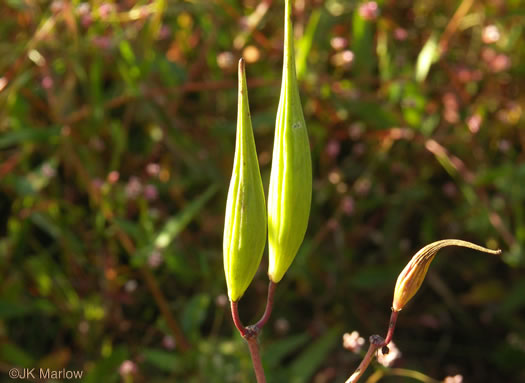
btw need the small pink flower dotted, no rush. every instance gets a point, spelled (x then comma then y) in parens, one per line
(353, 341)
(155, 259)
(105, 10)
(221, 300)
(338, 43)
(400, 34)
(490, 34)
(500, 63)
(153, 169)
(332, 148)
(453, 379)
(282, 325)
(369, 10)
(113, 176)
(47, 82)
(168, 342)
(348, 205)
(127, 368)
(150, 192)
(133, 187)
(388, 360)
(226, 60)
(474, 123)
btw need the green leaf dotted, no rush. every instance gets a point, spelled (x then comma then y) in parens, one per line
(304, 45)
(13, 309)
(176, 224)
(312, 358)
(14, 355)
(428, 55)
(372, 277)
(164, 360)
(274, 353)
(363, 46)
(515, 299)
(106, 369)
(373, 114)
(195, 312)
(28, 135)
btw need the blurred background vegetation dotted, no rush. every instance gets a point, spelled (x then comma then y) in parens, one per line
(117, 125)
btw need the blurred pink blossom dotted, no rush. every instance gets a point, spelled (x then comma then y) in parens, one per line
(133, 187)
(221, 300)
(113, 176)
(388, 360)
(57, 6)
(105, 10)
(348, 205)
(400, 34)
(153, 169)
(353, 341)
(490, 34)
(338, 43)
(369, 10)
(47, 82)
(474, 123)
(168, 342)
(155, 259)
(226, 60)
(102, 42)
(332, 148)
(282, 325)
(150, 192)
(453, 379)
(500, 63)
(127, 368)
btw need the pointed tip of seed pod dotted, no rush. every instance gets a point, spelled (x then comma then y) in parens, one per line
(242, 77)
(241, 64)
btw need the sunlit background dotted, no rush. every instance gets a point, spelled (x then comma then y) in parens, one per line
(117, 126)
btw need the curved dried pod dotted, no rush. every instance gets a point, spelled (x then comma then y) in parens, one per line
(245, 218)
(412, 276)
(290, 192)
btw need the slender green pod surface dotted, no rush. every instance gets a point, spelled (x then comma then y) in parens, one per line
(290, 191)
(245, 218)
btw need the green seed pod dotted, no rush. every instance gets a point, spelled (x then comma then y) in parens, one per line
(290, 191)
(245, 221)
(412, 276)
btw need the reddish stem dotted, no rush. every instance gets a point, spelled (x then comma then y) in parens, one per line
(375, 343)
(256, 359)
(269, 305)
(391, 327)
(237, 320)
(251, 333)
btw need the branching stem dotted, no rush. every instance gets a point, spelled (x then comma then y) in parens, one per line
(269, 306)
(376, 343)
(251, 333)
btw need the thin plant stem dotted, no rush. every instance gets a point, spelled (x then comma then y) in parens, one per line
(251, 333)
(391, 327)
(253, 345)
(376, 342)
(412, 374)
(237, 320)
(269, 306)
(163, 305)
